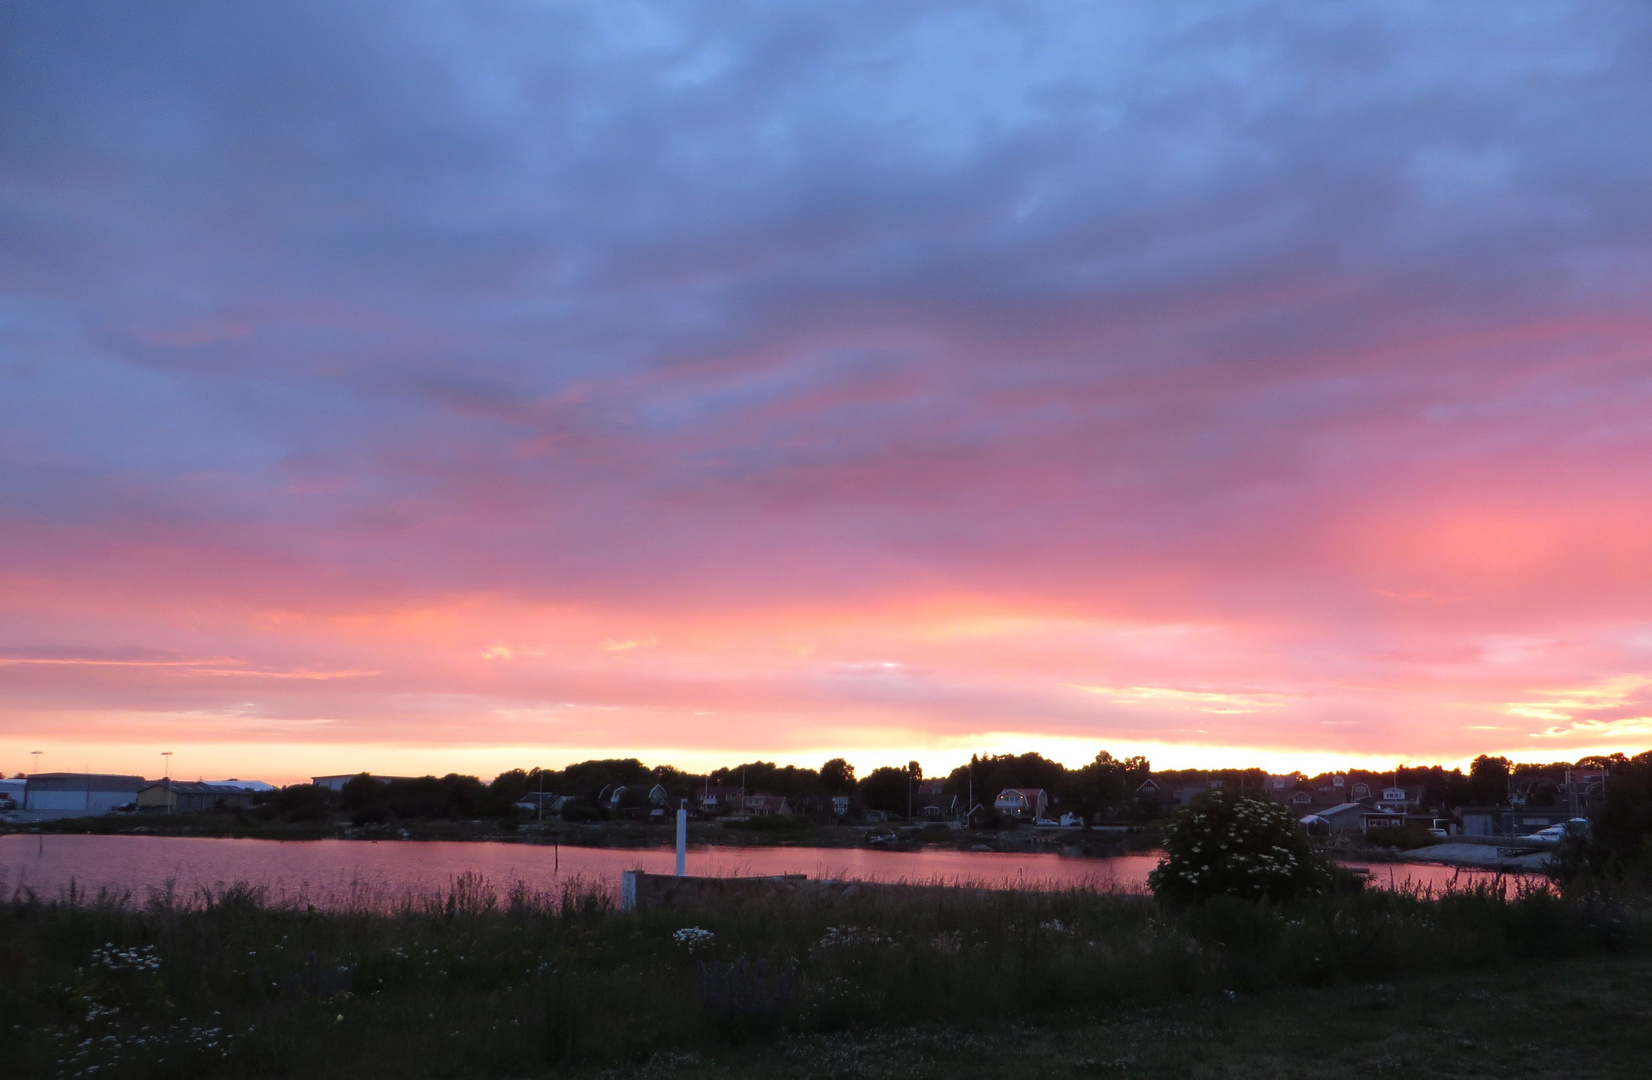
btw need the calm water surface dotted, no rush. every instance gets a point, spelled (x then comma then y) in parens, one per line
(335, 872)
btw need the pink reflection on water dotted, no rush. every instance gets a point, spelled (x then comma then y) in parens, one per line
(362, 873)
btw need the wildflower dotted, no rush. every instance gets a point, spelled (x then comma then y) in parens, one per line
(694, 938)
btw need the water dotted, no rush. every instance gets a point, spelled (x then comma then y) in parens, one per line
(335, 872)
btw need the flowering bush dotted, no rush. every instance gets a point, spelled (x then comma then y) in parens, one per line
(1227, 843)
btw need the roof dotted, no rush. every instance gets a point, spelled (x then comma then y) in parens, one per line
(1352, 806)
(86, 781)
(196, 787)
(242, 785)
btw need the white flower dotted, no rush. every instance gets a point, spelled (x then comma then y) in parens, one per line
(694, 939)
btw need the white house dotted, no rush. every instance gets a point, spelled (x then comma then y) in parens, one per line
(1022, 802)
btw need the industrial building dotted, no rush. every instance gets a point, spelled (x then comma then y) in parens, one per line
(48, 795)
(192, 797)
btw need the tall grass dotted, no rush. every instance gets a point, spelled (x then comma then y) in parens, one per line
(484, 981)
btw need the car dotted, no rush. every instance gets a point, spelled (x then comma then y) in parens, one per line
(1440, 834)
(1047, 823)
(1554, 834)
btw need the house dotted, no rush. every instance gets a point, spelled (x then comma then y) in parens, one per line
(59, 795)
(1353, 817)
(931, 801)
(717, 798)
(1030, 803)
(1360, 790)
(191, 797)
(764, 805)
(337, 782)
(11, 793)
(1150, 794)
(542, 803)
(840, 805)
(1402, 799)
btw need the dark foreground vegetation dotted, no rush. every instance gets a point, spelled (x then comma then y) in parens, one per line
(489, 984)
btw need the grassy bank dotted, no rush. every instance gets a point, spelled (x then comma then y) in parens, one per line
(481, 983)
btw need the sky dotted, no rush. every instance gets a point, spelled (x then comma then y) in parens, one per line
(428, 387)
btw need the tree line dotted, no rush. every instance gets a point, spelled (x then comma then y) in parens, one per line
(1104, 786)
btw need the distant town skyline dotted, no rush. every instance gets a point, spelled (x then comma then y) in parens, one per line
(443, 388)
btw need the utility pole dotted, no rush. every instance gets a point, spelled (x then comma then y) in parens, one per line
(166, 757)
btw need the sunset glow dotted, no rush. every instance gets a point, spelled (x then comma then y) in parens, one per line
(416, 390)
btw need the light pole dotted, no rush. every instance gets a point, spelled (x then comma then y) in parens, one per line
(36, 754)
(166, 758)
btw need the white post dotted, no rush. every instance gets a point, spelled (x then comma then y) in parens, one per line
(682, 841)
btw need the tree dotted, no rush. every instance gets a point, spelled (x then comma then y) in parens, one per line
(509, 787)
(885, 789)
(1229, 843)
(1619, 844)
(1488, 780)
(297, 802)
(767, 778)
(588, 778)
(996, 772)
(838, 776)
(1103, 784)
(362, 793)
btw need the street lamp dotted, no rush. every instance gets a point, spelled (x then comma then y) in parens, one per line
(166, 758)
(36, 755)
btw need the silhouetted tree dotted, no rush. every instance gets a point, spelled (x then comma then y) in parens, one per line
(885, 789)
(1488, 781)
(298, 802)
(1103, 784)
(838, 776)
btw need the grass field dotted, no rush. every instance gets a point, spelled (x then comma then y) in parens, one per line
(1579, 1019)
(487, 983)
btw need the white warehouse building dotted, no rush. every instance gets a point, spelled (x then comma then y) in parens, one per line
(78, 794)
